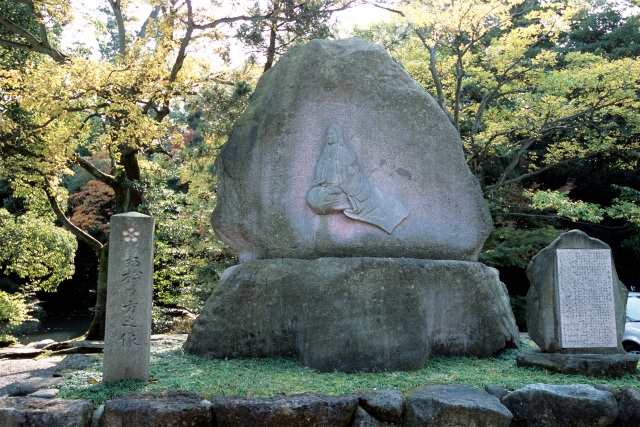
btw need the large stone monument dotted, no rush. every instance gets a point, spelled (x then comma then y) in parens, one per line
(345, 191)
(576, 309)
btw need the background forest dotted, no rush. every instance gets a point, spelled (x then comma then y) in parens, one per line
(545, 96)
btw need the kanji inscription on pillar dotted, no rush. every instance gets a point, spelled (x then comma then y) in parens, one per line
(586, 300)
(129, 297)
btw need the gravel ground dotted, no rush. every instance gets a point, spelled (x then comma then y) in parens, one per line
(27, 374)
(19, 377)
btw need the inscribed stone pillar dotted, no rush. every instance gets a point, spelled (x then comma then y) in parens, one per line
(129, 295)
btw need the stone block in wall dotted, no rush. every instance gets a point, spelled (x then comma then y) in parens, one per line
(454, 405)
(39, 412)
(383, 405)
(547, 405)
(629, 406)
(309, 410)
(157, 408)
(363, 419)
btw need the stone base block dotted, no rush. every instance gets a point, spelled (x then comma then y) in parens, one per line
(309, 409)
(561, 405)
(629, 406)
(597, 365)
(35, 411)
(158, 408)
(355, 314)
(454, 405)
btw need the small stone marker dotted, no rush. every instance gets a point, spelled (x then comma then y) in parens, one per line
(576, 302)
(129, 295)
(585, 296)
(576, 309)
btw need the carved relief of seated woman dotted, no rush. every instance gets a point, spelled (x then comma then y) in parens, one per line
(340, 186)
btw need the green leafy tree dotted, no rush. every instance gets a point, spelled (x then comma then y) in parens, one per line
(13, 311)
(299, 22)
(181, 196)
(36, 252)
(37, 255)
(603, 29)
(34, 248)
(69, 106)
(536, 90)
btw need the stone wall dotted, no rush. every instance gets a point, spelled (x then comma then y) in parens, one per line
(431, 405)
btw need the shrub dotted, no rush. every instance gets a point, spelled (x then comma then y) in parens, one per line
(13, 310)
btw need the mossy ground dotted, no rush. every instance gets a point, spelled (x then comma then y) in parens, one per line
(171, 368)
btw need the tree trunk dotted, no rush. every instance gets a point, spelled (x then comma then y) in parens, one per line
(271, 50)
(96, 330)
(128, 198)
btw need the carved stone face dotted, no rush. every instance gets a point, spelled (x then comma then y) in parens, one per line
(332, 136)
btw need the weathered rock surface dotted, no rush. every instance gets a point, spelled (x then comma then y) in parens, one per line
(37, 412)
(561, 405)
(158, 408)
(29, 386)
(19, 352)
(598, 365)
(384, 405)
(48, 393)
(454, 405)
(543, 312)
(629, 407)
(73, 362)
(355, 314)
(309, 410)
(401, 187)
(363, 419)
(40, 344)
(496, 391)
(72, 347)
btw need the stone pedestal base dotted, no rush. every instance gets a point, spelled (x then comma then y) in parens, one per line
(597, 365)
(355, 314)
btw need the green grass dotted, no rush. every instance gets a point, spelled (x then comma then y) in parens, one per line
(173, 369)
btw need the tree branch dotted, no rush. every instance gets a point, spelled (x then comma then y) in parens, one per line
(562, 218)
(32, 43)
(117, 13)
(379, 6)
(546, 168)
(152, 17)
(434, 74)
(231, 20)
(74, 229)
(516, 158)
(94, 170)
(182, 52)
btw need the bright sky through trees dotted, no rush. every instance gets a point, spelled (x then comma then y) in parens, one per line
(82, 31)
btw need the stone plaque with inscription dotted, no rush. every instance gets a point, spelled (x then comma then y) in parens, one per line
(576, 303)
(585, 298)
(129, 297)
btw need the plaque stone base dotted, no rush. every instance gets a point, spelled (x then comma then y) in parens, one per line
(355, 314)
(597, 365)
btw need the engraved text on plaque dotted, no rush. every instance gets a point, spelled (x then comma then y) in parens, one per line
(585, 293)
